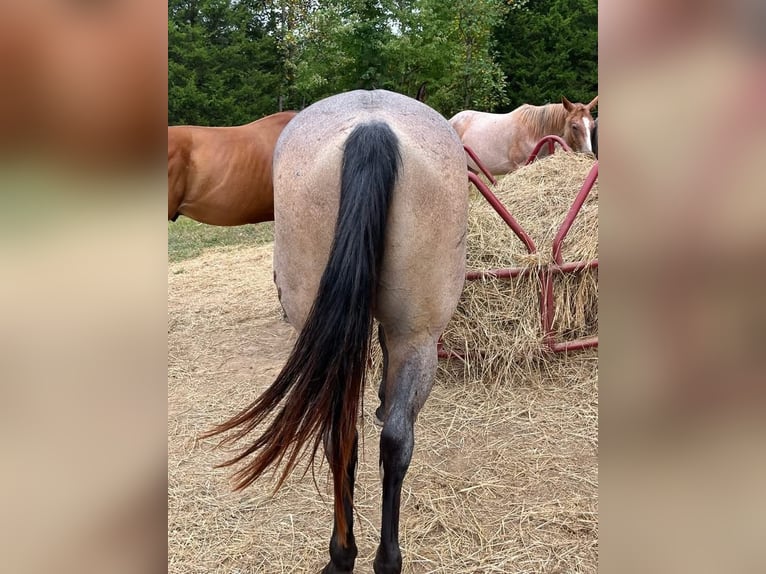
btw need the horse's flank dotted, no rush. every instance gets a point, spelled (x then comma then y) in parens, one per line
(222, 175)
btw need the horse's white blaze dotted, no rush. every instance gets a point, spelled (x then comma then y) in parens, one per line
(588, 131)
(381, 473)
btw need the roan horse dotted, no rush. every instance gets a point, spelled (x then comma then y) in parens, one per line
(370, 221)
(503, 142)
(222, 175)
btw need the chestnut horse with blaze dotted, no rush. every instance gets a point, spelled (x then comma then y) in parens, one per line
(504, 142)
(222, 175)
(370, 222)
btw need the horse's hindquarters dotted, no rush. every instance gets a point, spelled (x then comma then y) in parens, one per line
(423, 269)
(423, 263)
(306, 196)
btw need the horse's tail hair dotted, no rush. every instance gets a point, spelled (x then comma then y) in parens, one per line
(320, 386)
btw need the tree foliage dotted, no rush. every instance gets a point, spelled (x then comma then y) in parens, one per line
(223, 65)
(549, 49)
(233, 61)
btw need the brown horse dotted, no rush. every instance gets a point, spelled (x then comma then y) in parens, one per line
(370, 221)
(503, 142)
(222, 175)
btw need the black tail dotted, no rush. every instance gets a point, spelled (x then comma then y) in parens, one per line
(320, 386)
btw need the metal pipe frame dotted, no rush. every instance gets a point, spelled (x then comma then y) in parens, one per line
(551, 140)
(545, 273)
(480, 165)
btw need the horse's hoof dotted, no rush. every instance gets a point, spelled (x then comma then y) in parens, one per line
(333, 569)
(387, 567)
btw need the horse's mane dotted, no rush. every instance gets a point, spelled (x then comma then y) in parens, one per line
(543, 120)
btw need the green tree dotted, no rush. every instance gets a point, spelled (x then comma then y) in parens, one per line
(549, 49)
(342, 47)
(223, 66)
(399, 44)
(286, 22)
(232, 61)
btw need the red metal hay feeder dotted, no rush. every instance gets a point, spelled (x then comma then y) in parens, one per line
(546, 272)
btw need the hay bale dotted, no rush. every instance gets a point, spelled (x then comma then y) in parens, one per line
(497, 322)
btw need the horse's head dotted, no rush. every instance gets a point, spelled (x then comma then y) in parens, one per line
(579, 125)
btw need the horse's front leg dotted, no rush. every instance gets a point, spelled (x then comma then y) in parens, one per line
(342, 556)
(405, 394)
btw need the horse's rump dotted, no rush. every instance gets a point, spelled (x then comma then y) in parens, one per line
(488, 136)
(427, 213)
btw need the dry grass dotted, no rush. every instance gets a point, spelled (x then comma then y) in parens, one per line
(498, 315)
(538, 196)
(503, 479)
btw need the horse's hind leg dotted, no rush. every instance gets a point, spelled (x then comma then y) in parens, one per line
(411, 374)
(380, 412)
(342, 557)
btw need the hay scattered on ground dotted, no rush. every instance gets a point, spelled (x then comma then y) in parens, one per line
(503, 478)
(497, 324)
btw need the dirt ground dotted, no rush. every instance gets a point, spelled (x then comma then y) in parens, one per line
(503, 478)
